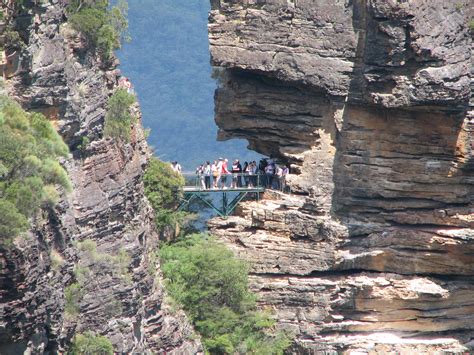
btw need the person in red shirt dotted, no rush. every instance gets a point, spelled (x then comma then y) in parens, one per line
(224, 172)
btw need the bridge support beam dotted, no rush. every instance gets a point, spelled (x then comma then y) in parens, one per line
(227, 208)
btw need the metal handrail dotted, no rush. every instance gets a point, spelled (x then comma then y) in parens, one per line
(236, 181)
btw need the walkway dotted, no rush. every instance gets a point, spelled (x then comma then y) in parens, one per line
(197, 187)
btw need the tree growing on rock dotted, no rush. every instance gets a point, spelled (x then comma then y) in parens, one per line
(30, 173)
(118, 119)
(163, 188)
(211, 285)
(104, 27)
(89, 343)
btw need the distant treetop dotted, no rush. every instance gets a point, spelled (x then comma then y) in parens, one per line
(103, 26)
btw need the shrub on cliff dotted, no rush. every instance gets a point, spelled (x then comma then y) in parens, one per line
(162, 184)
(12, 39)
(72, 297)
(211, 284)
(103, 27)
(163, 188)
(29, 171)
(12, 222)
(89, 343)
(118, 119)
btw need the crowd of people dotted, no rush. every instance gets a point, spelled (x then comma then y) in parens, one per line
(267, 173)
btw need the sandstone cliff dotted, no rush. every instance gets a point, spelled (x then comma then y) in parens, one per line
(102, 232)
(371, 102)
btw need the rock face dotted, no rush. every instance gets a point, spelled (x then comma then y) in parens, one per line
(371, 102)
(99, 237)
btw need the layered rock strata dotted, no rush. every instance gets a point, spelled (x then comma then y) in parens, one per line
(100, 236)
(371, 103)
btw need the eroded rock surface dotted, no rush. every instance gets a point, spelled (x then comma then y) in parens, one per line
(371, 103)
(100, 236)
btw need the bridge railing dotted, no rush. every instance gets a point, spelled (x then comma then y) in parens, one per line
(234, 181)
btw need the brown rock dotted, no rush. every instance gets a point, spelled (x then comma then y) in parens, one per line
(63, 78)
(371, 103)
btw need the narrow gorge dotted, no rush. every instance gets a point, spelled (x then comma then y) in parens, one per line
(371, 104)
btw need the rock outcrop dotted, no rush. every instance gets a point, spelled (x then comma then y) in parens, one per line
(371, 102)
(100, 237)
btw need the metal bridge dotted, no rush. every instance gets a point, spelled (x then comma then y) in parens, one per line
(233, 188)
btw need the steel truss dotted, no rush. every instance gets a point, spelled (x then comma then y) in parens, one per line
(227, 207)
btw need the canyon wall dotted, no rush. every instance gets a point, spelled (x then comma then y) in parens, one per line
(100, 236)
(371, 102)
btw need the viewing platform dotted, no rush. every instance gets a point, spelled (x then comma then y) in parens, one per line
(220, 190)
(233, 188)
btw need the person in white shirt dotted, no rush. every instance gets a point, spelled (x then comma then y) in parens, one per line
(219, 172)
(207, 175)
(176, 167)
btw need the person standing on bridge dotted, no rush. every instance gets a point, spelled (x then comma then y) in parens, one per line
(176, 167)
(224, 172)
(220, 162)
(262, 165)
(200, 174)
(207, 175)
(277, 181)
(269, 172)
(236, 171)
(239, 177)
(215, 174)
(245, 171)
(253, 174)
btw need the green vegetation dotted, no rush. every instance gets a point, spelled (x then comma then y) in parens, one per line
(206, 280)
(12, 222)
(29, 170)
(212, 287)
(471, 25)
(162, 184)
(91, 344)
(72, 297)
(118, 118)
(103, 26)
(85, 141)
(12, 39)
(163, 188)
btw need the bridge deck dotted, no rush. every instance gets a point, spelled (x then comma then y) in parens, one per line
(230, 189)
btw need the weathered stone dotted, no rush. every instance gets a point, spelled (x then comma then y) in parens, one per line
(371, 102)
(62, 77)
